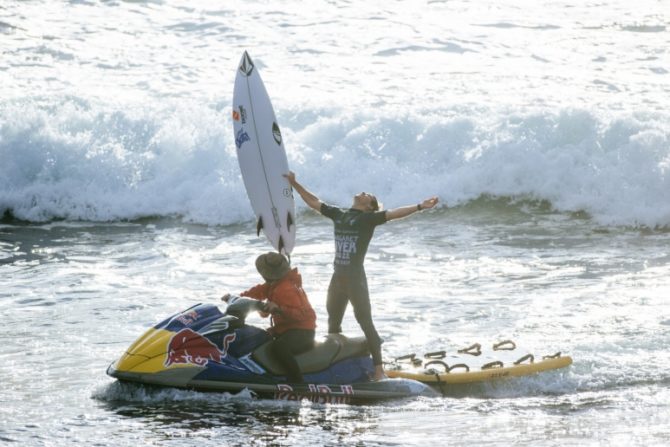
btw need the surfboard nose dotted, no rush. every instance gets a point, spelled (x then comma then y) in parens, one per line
(246, 64)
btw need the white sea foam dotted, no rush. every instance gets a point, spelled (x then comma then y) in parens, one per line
(69, 158)
(135, 393)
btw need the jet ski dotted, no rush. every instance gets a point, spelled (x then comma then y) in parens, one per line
(204, 349)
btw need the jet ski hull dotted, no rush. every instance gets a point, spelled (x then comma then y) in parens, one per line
(356, 393)
(205, 350)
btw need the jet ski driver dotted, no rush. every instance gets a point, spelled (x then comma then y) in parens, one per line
(292, 317)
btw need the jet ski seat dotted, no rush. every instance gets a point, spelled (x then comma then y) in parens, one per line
(334, 348)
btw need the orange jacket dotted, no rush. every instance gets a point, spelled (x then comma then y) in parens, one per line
(295, 310)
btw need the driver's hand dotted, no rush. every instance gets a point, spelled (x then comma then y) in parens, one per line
(271, 307)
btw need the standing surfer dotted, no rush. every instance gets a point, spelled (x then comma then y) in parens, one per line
(354, 228)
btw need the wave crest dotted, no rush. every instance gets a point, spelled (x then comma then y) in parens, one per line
(71, 159)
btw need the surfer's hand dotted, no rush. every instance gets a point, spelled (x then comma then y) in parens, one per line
(310, 199)
(290, 177)
(429, 203)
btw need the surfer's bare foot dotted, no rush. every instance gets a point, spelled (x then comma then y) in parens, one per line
(379, 373)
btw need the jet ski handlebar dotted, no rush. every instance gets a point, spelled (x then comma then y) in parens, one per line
(239, 306)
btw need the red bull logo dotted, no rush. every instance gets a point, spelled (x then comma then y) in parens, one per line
(321, 394)
(188, 318)
(187, 346)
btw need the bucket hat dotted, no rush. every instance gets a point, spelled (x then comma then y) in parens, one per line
(272, 266)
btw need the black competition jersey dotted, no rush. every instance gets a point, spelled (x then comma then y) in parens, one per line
(353, 232)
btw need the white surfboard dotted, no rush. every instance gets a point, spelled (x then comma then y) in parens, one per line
(262, 158)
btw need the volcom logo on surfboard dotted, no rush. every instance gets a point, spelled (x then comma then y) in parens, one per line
(276, 133)
(246, 66)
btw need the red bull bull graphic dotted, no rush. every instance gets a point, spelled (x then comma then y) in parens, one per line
(317, 393)
(189, 347)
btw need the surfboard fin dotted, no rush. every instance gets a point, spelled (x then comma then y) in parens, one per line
(281, 244)
(289, 220)
(259, 225)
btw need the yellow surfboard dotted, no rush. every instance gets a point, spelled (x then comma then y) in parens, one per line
(474, 364)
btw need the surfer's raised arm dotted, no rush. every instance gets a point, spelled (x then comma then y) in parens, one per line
(310, 199)
(404, 211)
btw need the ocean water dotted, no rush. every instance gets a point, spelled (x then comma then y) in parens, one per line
(542, 126)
